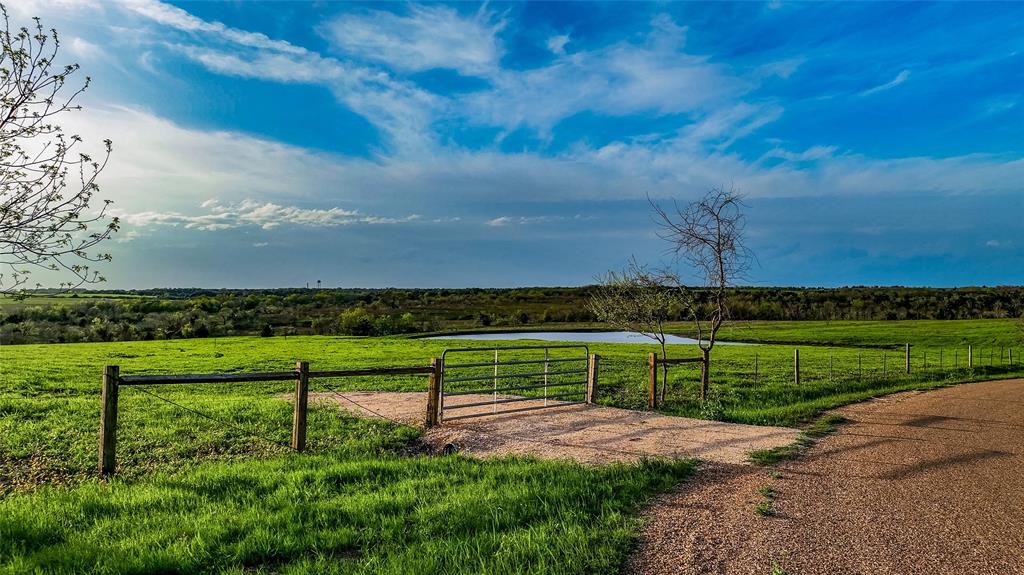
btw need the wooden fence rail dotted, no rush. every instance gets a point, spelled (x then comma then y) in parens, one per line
(653, 361)
(112, 380)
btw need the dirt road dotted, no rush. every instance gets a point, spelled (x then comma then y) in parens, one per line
(584, 433)
(929, 483)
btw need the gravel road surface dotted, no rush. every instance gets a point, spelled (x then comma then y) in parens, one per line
(917, 483)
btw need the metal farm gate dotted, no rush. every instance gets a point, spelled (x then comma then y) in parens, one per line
(481, 381)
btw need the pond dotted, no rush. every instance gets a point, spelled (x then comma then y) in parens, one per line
(576, 336)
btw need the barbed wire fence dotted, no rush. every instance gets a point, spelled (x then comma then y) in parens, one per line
(811, 370)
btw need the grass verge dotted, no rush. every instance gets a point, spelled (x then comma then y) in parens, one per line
(820, 428)
(357, 512)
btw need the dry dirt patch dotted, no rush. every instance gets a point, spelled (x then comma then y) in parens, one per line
(585, 433)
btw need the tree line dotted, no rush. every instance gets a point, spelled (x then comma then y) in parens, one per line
(191, 313)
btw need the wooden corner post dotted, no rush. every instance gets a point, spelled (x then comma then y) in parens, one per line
(592, 367)
(301, 406)
(108, 420)
(652, 380)
(434, 393)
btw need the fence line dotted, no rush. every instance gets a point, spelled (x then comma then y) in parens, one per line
(113, 380)
(838, 366)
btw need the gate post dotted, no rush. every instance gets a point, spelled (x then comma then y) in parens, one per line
(434, 393)
(108, 420)
(301, 406)
(652, 381)
(592, 366)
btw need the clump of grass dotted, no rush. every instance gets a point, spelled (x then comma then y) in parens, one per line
(820, 428)
(764, 507)
(778, 570)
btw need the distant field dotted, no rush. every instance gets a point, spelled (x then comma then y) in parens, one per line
(66, 299)
(929, 333)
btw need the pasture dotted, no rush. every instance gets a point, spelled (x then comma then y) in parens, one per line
(226, 495)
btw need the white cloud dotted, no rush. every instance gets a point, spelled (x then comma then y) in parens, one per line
(812, 153)
(250, 213)
(899, 79)
(620, 79)
(557, 44)
(527, 220)
(33, 8)
(84, 49)
(429, 37)
(400, 109)
(178, 18)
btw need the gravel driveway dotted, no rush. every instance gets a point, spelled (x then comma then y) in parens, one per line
(929, 483)
(584, 433)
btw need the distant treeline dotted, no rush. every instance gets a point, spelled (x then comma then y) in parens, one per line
(189, 313)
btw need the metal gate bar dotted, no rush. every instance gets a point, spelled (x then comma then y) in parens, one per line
(526, 381)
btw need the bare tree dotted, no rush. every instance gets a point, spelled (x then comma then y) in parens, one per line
(707, 235)
(639, 301)
(46, 184)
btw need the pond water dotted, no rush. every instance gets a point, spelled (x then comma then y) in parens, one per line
(576, 336)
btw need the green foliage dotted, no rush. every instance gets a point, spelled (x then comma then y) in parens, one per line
(162, 314)
(764, 508)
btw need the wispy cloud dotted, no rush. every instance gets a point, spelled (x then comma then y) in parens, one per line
(428, 37)
(621, 79)
(175, 17)
(557, 44)
(250, 213)
(899, 79)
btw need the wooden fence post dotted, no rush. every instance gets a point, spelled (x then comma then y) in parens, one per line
(301, 406)
(434, 393)
(592, 370)
(907, 353)
(652, 381)
(796, 366)
(970, 356)
(108, 420)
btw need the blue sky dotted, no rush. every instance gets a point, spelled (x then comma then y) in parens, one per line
(405, 144)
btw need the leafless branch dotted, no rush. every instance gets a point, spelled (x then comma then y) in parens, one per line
(707, 236)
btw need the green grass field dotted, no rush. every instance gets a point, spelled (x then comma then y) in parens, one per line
(925, 333)
(198, 497)
(10, 302)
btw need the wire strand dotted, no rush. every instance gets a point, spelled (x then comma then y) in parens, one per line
(214, 419)
(363, 407)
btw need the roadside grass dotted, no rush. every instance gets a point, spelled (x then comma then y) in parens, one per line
(365, 511)
(821, 427)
